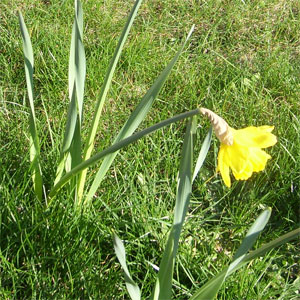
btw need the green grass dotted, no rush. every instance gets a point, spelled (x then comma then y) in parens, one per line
(243, 62)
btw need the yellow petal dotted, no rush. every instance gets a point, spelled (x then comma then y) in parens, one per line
(259, 137)
(258, 159)
(266, 128)
(236, 157)
(223, 166)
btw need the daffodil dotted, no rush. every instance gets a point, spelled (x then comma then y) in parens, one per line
(241, 149)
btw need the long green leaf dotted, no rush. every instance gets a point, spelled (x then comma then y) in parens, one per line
(34, 140)
(210, 289)
(77, 64)
(184, 185)
(252, 255)
(115, 147)
(68, 137)
(103, 93)
(163, 287)
(131, 286)
(253, 233)
(77, 70)
(203, 152)
(135, 119)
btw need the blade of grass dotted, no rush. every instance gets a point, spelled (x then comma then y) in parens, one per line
(34, 140)
(131, 286)
(115, 147)
(89, 145)
(163, 287)
(209, 291)
(135, 119)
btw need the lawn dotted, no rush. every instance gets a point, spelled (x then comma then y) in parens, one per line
(242, 61)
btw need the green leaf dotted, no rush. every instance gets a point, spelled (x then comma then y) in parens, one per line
(89, 145)
(77, 63)
(77, 72)
(210, 290)
(131, 286)
(68, 137)
(203, 152)
(115, 147)
(163, 287)
(252, 255)
(253, 233)
(34, 140)
(135, 119)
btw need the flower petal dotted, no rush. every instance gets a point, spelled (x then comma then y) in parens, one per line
(260, 137)
(236, 157)
(266, 128)
(258, 159)
(223, 166)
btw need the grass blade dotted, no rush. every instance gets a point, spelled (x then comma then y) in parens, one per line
(163, 287)
(135, 119)
(115, 147)
(203, 152)
(103, 93)
(131, 286)
(34, 140)
(210, 290)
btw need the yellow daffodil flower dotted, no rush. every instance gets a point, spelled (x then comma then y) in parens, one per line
(241, 149)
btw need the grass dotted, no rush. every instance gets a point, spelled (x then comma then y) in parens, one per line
(242, 62)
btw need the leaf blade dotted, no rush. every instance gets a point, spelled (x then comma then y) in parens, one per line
(131, 286)
(252, 255)
(163, 286)
(211, 288)
(34, 143)
(203, 153)
(71, 148)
